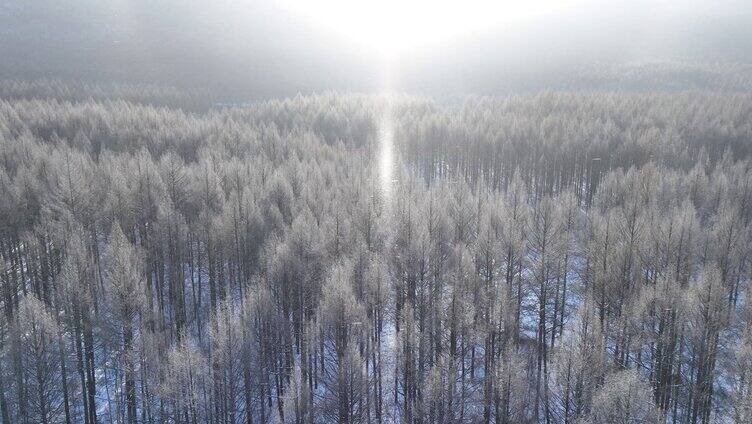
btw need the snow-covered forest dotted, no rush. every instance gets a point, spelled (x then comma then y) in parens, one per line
(540, 258)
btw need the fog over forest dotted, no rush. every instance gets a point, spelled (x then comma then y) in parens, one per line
(264, 49)
(375, 212)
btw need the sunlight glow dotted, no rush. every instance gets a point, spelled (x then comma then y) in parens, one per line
(394, 26)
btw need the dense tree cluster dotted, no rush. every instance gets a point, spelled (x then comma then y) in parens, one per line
(248, 265)
(158, 95)
(564, 140)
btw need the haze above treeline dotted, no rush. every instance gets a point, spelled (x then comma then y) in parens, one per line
(244, 51)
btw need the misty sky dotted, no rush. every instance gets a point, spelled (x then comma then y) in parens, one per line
(263, 49)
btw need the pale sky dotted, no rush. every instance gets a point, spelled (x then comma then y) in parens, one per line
(280, 47)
